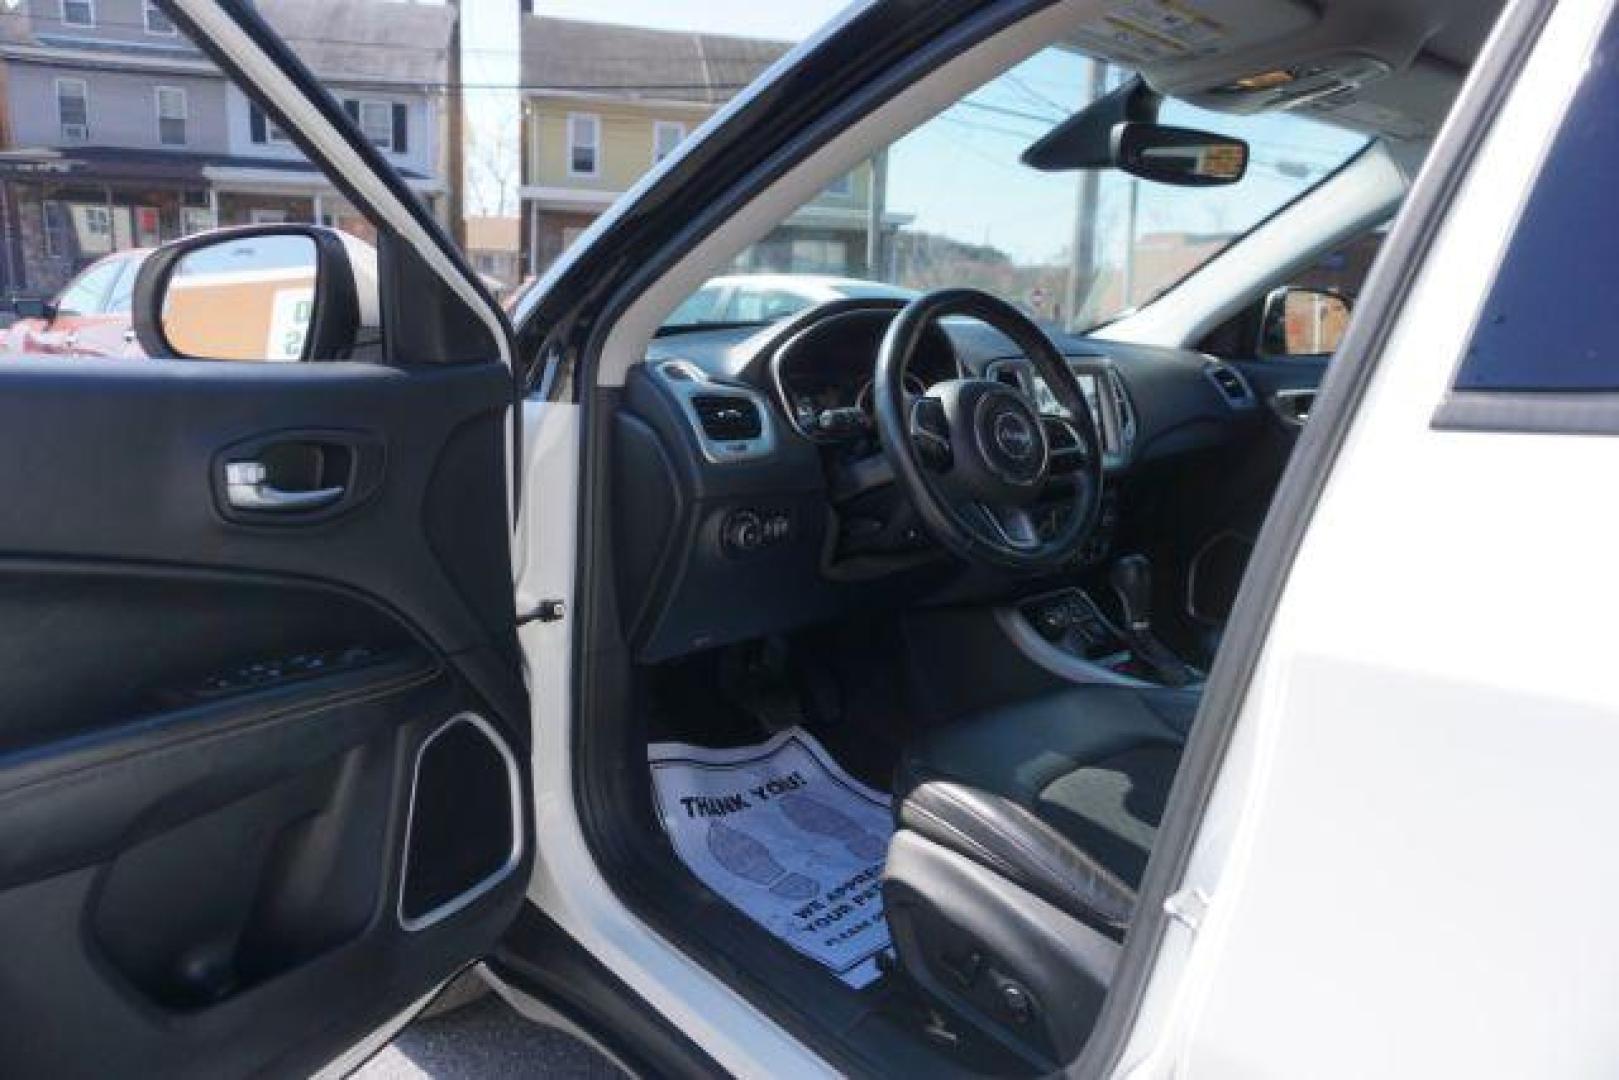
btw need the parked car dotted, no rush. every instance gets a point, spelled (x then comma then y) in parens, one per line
(763, 298)
(1218, 687)
(89, 317)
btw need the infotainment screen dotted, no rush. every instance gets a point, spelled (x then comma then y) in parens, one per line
(1048, 403)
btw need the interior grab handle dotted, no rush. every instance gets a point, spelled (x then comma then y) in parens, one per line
(248, 487)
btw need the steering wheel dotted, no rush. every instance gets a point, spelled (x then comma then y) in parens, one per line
(974, 454)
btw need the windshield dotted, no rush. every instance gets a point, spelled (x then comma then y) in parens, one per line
(950, 204)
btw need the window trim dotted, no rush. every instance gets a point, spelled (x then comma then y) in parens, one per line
(184, 117)
(64, 226)
(595, 121)
(148, 7)
(90, 6)
(660, 126)
(84, 95)
(360, 105)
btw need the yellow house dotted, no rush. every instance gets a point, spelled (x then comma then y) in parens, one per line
(603, 104)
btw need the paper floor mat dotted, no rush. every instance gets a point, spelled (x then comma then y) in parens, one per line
(783, 833)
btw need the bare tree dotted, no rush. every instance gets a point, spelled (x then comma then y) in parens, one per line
(492, 166)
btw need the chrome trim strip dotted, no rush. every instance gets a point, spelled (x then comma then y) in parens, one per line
(686, 380)
(1065, 665)
(464, 899)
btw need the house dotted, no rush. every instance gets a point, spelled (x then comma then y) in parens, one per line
(493, 247)
(124, 134)
(603, 104)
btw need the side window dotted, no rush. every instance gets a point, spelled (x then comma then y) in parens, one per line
(123, 290)
(747, 305)
(584, 144)
(666, 135)
(73, 109)
(779, 304)
(88, 292)
(1305, 319)
(1547, 323)
(702, 306)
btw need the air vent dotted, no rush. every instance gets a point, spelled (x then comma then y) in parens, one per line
(727, 419)
(1121, 402)
(1231, 385)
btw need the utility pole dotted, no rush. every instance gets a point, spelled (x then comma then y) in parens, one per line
(876, 210)
(1125, 301)
(1082, 257)
(455, 157)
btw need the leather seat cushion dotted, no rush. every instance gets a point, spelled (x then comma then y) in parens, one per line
(1095, 763)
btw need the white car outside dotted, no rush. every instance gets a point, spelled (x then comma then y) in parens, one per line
(764, 298)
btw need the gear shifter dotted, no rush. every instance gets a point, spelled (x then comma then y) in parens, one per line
(1131, 578)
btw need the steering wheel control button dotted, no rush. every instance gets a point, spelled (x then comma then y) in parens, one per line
(930, 433)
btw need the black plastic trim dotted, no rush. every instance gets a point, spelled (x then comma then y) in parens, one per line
(1529, 412)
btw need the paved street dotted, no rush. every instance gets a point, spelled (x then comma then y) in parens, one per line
(485, 1041)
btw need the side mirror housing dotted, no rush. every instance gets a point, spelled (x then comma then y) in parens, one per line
(1303, 322)
(1180, 156)
(260, 292)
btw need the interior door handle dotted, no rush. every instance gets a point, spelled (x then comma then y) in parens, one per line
(248, 487)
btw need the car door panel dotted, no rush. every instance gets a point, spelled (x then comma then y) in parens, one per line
(261, 779)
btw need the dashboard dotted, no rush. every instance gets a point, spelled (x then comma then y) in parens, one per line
(756, 494)
(822, 374)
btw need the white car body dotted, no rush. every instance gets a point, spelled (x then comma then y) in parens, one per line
(767, 297)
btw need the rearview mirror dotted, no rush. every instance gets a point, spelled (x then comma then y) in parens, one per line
(1301, 322)
(263, 292)
(1119, 130)
(1181, 156)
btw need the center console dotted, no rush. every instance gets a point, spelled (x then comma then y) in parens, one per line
(1070, 621)
(1074, 636)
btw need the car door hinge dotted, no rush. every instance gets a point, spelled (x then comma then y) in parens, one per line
(1188, 907)
(548, 611)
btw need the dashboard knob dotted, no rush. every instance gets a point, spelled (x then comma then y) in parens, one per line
(742, 531)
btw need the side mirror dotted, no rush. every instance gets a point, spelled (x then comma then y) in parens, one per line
(1301, 322)
(1180, 156)
(262, 292)
(31, 307)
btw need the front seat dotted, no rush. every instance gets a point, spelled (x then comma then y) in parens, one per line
(1023, 835)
